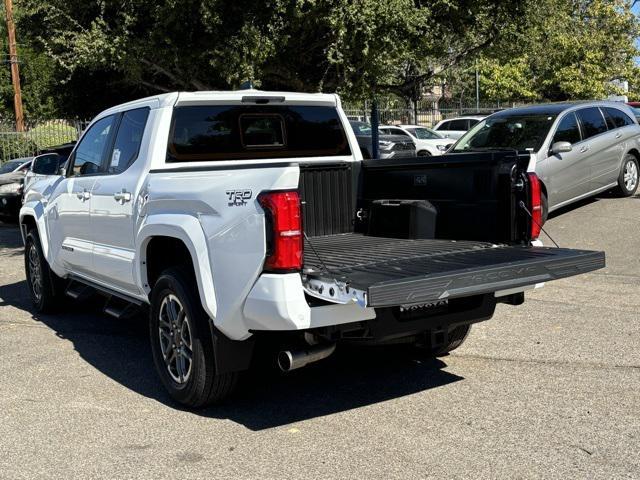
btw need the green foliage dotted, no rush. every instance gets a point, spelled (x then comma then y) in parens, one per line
(79, 56)
(51, 133)
(572, 49)
(16, 145)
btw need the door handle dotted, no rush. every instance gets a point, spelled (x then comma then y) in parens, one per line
(84, 195)
(122, 197)
(585, 148)
(618, 135)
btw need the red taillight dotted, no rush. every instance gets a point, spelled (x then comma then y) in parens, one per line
(285, 247)
(535, 202)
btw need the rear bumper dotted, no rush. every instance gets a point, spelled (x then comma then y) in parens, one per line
(277, 302)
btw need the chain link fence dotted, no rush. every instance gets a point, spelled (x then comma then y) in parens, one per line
(37, 136)
(426, 112)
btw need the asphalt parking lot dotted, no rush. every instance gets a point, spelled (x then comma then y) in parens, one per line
(549, 389)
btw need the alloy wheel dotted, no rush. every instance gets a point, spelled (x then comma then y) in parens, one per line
(35, 272)
(175, 339)
(630, 175)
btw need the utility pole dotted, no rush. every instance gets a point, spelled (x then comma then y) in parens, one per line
(477, 88)
(15, 70)
(375, 124)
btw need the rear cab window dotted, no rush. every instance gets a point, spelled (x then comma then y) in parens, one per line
(250, 132)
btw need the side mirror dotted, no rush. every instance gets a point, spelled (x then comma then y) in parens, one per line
(561, 147)
(47, 164)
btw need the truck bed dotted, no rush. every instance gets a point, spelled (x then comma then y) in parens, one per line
(394, 271)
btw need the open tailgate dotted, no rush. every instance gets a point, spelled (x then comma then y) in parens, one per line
(389, 271)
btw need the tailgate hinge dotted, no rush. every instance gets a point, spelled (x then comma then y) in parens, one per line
(334, 291)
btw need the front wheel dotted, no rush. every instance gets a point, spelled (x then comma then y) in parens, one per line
(45, 287)
(629, 176)
(181, 342)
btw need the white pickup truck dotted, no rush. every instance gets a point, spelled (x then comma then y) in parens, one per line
(249, 218)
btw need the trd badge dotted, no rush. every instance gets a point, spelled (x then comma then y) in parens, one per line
(238, 198)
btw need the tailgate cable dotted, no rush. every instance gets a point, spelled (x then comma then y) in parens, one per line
(524, 207)
(340, 285)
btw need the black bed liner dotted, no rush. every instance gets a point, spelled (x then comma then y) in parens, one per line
(396, 271)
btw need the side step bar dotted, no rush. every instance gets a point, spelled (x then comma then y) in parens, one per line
(117, 305)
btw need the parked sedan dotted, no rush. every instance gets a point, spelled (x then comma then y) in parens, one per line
(581, 149)
(389, 146)
(454, 128)
(428, 142)
(11, 184)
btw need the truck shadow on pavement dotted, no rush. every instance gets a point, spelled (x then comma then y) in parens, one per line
(351, 378)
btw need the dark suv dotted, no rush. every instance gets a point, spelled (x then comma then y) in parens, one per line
(389, 146)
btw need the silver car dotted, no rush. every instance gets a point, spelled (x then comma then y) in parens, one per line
(581, 149)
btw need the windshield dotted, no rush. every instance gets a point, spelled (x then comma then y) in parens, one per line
(10, 166)
(424, 133)
(361, 128)
(520, 132)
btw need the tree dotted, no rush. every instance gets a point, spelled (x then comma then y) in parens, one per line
(351, 46)
(572, 49)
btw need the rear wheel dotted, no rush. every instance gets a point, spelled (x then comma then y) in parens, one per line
(45, 287)
(545, 208)
(424, 153)
(181, 342)
(455, 338)
(629, 176)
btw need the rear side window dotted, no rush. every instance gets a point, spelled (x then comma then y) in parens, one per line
(128, 140)
(247, 132)
(592, 122)
(459, 125)
(618, 117)
(473, 122)
(397, 131)
(444, 126)
(568, 130)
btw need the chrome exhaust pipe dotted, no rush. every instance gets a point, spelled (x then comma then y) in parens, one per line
(291, 360)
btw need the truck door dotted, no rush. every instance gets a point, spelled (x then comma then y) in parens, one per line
(68, 217)
(113, 200)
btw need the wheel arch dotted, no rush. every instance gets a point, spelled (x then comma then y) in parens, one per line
(183, 235)
(634, 152)
(32, 216)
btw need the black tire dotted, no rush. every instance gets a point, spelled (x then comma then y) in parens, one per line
(193, 383)
(455, 338)
(545, 208)
(45, 287)
(629, 177)
(424, 153)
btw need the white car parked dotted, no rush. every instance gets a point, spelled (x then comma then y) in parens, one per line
(428, 143)
(454, 128)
